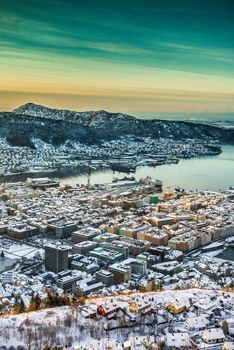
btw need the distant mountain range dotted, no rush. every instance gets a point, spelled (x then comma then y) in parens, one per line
(56, 126)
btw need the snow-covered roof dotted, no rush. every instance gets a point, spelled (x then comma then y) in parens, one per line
(196, 322)
(213, 334)
(176, 340)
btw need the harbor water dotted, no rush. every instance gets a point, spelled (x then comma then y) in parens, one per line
(203, 173)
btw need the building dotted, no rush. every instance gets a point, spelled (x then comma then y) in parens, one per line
(116, 246)
(139, 307)
(156, 238)
(86, 234)
(178, 305)
(135, 343)
(150, 285)
(167, 268)
(106, 237)
(213, 335)
(56, 258)
(121, 273)
(85, 289)
(138, 266)
(7, 277)
(67, 282)
(106, 255)
(135, 246)
(22, 231)
(3, 229)
(177, 341)
(196, 323)
(160, 221)
(84, 247)
(106, 277)
(228, 346)
(61, 229)
(108, 309)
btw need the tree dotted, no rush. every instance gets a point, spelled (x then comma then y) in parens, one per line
(68, 321)
(29, 338)
(147, 343)
(73, 299)
(2, 254)
(22, 306)
(81, 300)
(18, 307)
(35, 303)
(225, 327)
(49, 299)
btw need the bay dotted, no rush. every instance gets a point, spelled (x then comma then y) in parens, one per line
(203, 173)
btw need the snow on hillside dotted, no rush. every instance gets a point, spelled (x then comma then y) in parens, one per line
(68, 327)
(90, 118)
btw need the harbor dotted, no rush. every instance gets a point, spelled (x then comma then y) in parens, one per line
(207, 172)
(178, 163)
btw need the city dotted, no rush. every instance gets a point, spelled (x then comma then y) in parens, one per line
(108, 252)
(116, 175)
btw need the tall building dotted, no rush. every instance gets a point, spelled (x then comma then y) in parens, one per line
(56, 258)
(106, 277)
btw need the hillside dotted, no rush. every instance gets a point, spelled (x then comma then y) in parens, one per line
(57, 126)
(71, 328)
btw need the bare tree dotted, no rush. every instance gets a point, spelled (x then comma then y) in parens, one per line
(29, 338)
(147, 343)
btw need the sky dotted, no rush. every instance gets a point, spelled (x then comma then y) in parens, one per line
(139, 57)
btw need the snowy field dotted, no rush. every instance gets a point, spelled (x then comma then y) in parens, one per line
(15, 250)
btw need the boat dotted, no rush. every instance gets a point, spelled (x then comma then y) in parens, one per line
(125, 178)
(123, 167)
(40, 170)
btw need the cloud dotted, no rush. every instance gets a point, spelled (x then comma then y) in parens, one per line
(166, 45)
(132, 103)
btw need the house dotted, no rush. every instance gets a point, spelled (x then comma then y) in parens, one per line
(213, 335)
(137, 343)
(127, 345)
(139, 307)
(84, 289)
(89, 311)
(176, 341)
(103, 343)
(196, 323)
(205, 305)
(177, 306)
(108, 309)
(228, 346)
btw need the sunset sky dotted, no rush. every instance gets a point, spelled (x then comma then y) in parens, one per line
(138, 57)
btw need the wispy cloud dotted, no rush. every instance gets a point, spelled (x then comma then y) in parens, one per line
(165, 45)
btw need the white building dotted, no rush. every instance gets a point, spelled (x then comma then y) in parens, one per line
(213, 335)
(176, 341)
(196, 323)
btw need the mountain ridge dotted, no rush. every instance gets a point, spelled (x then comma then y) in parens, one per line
(83, 117)
(57, 126)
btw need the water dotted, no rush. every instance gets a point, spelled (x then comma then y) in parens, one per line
(211, 172)
(196, 116)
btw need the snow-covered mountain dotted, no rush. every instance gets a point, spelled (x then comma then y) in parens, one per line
(88, 118)
(56, 126)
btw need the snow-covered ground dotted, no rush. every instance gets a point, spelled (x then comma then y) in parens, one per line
(68, 326)
(16, 250)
